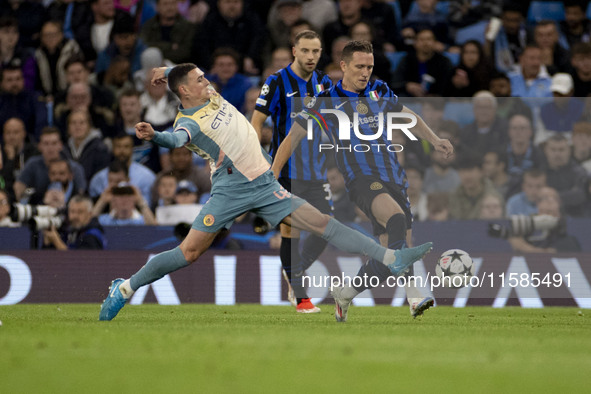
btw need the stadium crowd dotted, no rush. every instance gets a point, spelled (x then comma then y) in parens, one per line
(507, 83)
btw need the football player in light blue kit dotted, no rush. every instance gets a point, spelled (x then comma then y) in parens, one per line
(241, 181)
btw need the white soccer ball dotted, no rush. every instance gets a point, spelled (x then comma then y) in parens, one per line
(455, 268)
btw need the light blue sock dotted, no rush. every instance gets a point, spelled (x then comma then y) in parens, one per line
(352, 241)
(158, 266)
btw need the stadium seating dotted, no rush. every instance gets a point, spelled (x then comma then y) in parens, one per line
(397, 14)
(459, 111)
(454, 58)
(472, 32)
(541, 10)
(394, 58)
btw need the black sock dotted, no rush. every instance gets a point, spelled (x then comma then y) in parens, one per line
(292, 264)
(396, 230)
(312, 248)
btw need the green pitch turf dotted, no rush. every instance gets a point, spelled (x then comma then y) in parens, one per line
(256, 349)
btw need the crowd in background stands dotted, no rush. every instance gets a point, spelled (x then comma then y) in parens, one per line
(75, 80)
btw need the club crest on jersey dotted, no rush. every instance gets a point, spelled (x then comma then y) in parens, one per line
(374, 95)
(265, 89)
(209, 220)
(362, 109)
(376, 186)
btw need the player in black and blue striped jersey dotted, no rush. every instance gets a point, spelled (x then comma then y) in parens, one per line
(282, 97)
(374, 178)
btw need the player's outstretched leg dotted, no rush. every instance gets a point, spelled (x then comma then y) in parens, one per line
(121, 290)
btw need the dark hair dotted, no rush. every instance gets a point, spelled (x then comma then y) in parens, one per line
(533, 173)
(581, 48)
(300, 22)
(501, 156)
(60, 160)
(123, 135)
(118, 166)
(129, 92)
(307, 35)
(226, 51)
(76, 58)
(545, 22)
(47, 130)
(178, 76)
(513, 7)
(8, 21)
(123, 190)
(355, 46)
(575, 3)
(499, 75)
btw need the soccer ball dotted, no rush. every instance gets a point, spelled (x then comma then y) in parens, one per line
(455, 268)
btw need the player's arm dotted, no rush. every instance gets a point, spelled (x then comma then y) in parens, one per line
(178, 138)
(257, 121)
(423, 131)
(288, 145)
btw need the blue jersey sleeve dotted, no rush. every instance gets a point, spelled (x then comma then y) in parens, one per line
(268, 100)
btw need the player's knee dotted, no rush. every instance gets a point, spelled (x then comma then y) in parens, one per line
(321, 222)
(191, 254)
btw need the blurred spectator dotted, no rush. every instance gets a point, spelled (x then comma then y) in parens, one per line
(117, 173)
(182, 168)
(224, 72)
(336, 50)
(5, 205)
(507, 106)
(381, 17)
(554, 56)
(427, 17)
(250, 99)
(363, 31)
(94, 34)
(530, 79)
(510, 41)
(280, 58)
(488, 130)
(186, 193)
(116, 78)
(582, 145)
(15, 152)
(194, 11)
(581, 62)
(82, 231)
(130, 113)
(79, 97)
(546, 232)
(85, 144)
(334, 72)
(16, 102)
(14, 55)
(169, 31)
(128, 208)
(51, 56)
(231, 25)
(521, 152)
(318, 13)
(467, 12)
(525, 202)
(440, 176)
(575, 27)
(77, 71)
(282, 16)
(343, 207)
(466, 201)
(151, 58)
(139, 176)
(124, 42)
(349, 14)
(159, 104)
(559, 115)
(438, 206)
(564, 175)
(61, 188)
(35, 174)
(432, 111)
(299, 26)
(472, 74)
(494, 167)
(491, 207)
(423, 71)
(165, 191)
(30, 15)
(416, 196)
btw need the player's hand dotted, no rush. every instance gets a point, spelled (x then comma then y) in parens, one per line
(444, 146)
(144, 131)
(158, 76)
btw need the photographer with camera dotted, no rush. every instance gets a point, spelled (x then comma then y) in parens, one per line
(82, 230)
(544, 232)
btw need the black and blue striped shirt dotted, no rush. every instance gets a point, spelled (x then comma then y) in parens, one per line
(375, 99)
(282, 97)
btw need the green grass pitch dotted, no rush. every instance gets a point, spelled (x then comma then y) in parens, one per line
(258, 349)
